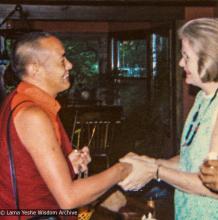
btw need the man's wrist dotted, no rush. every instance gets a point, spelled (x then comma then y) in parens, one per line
(158, 162)
(124, 170)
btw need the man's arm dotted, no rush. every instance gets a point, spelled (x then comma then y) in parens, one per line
(37, 134)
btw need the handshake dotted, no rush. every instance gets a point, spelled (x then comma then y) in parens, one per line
(144, 169)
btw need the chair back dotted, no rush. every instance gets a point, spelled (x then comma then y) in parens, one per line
(98, 135)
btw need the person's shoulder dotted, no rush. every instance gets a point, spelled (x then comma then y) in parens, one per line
(198, 98)
(199, 94)
(32, 113)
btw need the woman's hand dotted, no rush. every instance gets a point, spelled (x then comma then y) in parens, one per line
(140, 157)
(209, 174)
(80, 159)
(142, 173)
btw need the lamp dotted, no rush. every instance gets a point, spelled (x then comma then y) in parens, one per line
(13, 33)
(22, 15)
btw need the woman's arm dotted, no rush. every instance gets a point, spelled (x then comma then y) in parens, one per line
(37, 134)
(209, 174)
(173, 162)
(209, 169)
(170, 163)
(187, 182)
(167, 171)
(190, 182)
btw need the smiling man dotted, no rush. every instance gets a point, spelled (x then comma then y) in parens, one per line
(37, 163)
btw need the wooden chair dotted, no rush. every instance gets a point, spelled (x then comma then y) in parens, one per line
(95, 127)
(98, 135)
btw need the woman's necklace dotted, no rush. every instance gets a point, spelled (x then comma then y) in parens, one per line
(192, 130)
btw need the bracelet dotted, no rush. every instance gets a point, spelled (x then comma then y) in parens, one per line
(157, 173)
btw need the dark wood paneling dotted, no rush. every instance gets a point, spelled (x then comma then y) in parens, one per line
(98, 13)
(116, 2)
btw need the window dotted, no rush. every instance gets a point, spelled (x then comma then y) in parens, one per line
(131, 56)
(159, 47)
(84, 56)
(142, 63)
(87, 54)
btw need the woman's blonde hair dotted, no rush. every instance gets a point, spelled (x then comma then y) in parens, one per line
(202, 35)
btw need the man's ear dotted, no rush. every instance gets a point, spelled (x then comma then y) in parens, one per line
(32, 70)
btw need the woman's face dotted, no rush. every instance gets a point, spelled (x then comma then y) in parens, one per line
(189, 62)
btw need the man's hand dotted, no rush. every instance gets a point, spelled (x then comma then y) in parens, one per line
(142, 172)
(80, 159)
(209, 174)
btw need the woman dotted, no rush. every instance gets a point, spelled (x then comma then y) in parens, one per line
(193, 200)
(209, 174)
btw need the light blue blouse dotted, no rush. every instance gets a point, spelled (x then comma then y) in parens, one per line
(189, 206)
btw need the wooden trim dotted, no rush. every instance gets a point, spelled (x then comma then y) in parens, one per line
(173, 103)
(96, 13)
(116, 2)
